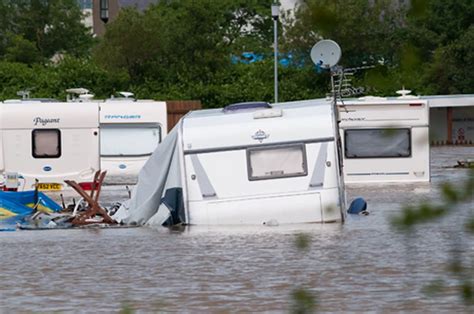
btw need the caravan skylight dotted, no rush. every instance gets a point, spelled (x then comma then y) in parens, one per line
(246, 106)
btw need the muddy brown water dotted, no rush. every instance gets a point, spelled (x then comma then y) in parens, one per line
(362, 266)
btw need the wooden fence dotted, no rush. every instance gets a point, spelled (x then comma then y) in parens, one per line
(178, 108)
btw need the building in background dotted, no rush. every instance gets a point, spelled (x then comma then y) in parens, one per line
(86, 7)
(114, 8)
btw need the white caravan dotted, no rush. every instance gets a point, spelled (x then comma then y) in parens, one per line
(385, 140)
(130, 130)
(49, 142)
(248, 163)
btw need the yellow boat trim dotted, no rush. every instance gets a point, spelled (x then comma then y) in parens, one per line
(5, 213)
(40, 208)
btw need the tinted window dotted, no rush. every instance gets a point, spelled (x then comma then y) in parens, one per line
(46, 143)
(375, 143)
(276, 162)
(132, 140)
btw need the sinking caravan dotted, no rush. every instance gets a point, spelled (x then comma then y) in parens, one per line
(385, 140)
(249, 163)
(130, 130)
(49, 142)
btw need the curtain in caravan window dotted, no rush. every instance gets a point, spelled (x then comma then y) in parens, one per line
(129, 140)
(46, 143)
(276, 162)
(374, 143)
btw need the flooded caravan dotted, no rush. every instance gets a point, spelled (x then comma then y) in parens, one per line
(49, 142)
(385, 140)
(248, 163)
(130, 131)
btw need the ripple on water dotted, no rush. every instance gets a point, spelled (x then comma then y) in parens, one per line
(364, 265)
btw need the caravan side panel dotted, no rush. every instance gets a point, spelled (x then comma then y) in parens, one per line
(130, 132)
(220, 190)
(385, 140)
(51, 142)
(412, 167)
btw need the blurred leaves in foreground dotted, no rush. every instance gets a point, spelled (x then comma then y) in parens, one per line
(455, 199)
(302, 299)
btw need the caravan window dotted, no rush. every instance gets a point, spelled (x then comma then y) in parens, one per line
(377, 143)
(46, 143)
(129, 140)
(276, 162)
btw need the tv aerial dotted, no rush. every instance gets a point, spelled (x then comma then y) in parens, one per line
(326, 53)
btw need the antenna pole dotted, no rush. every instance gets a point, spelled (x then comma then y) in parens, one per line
(276, 60)
(275, 15)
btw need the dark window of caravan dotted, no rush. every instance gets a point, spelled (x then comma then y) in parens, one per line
(46, 143)
(377, 143)
(276, 162)
(129, 140)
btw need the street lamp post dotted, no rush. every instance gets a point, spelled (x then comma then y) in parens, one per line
(275, 15)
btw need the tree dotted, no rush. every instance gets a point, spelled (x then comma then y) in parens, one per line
(183, 48)
(444, 34)
(365, 30)
(50, 26)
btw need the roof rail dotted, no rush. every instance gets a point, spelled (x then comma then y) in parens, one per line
(247, 106)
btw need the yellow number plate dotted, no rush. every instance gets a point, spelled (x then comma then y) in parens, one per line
(49, 187)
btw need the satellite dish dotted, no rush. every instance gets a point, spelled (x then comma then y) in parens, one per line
(326, 53)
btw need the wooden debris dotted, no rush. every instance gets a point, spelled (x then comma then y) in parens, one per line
(94, 213)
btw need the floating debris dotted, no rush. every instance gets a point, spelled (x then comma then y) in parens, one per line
(466, 163)
(33, 210)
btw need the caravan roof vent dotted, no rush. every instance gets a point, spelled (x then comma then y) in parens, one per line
(126, 94)
(77, 91)
(247, 106)
(405, 94)
(86, 97)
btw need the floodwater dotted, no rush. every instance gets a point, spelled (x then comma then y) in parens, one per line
(362, 266)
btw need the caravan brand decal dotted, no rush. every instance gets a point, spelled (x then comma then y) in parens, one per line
(45, 121)
(260, 135)
(122, 116)
(47, 168)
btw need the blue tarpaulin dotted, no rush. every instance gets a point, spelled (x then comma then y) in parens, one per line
(14, 206)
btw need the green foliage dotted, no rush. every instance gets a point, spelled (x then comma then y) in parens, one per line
(303, 302)
(21, 50)
(34, 29)
(51, 81)
(181, 49)
(363, 29)
(302, 299)
(302, 242)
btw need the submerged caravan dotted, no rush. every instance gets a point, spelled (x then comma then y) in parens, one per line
(248, 163)
(385, 140)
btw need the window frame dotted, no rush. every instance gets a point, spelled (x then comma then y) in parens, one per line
(33, 144)
(131, 126)
(378, 157)
(302, 146)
